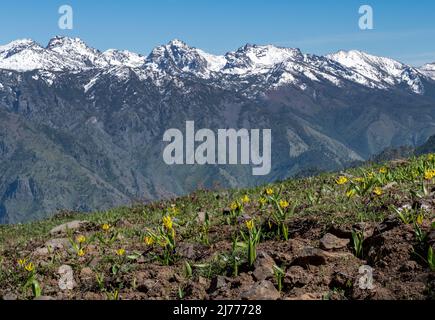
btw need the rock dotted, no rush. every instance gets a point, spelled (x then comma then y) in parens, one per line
(389, 186)
(263, 267)
(365, 227)
(87, 276)
(337, 255)
(72, 226)
(379, 293)
(307, 297)
(310, 256)
(409, 265)
(44, 298)
(40, 252)
(217, 283)
(66, 281)
(194, 289)
(10, 297)
(242, 219)
(186, 250)
(203, 281)
(243, 282)
(200, 219)
(124, 224)
(176, 278)
(92, 296)
(263, 290)
(86, 272)
(146, 285)
(341, 231)
(382, 294)
(330, 242)
(53, 245)
(389, 223)
(341, 280)
(94, 262)
(141, 260)
(297, 276)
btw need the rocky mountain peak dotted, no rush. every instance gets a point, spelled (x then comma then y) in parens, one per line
(429, 70)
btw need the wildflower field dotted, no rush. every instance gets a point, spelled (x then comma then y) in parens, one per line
(297, 239)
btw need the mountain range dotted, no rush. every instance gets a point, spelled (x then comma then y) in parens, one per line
(82, 129)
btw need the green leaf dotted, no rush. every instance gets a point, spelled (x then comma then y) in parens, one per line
(36, 289)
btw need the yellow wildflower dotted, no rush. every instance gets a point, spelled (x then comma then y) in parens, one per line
(21, 262)
(120, 252)
(149, 241)
(378, 191)
(81, 239)
(234, 206)
(105, 227)
(250, 224)
(29, 267)
(383, 170)
(283, 204)
(429, 174)
(167, 222)
(420, 219)
(246, 199)
(81, 252)
(269, 191)
(173, 210)
(359, 179)
(342, 180)
(262, 201)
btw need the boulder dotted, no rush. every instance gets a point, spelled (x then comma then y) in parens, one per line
(10, 297)
(218, 283)
(201, 217)
(53, 245)
(186, 250)
(263, 267)
(331, 242)
(87, 276)
(44, 298)
(297, 276)
(66, 280)
(263, 290)
(310, 256)
(72, 226)
(307, 297)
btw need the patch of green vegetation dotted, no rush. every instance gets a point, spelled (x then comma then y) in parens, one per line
(241, 219)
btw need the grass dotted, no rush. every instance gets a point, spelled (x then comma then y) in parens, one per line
(368, 193)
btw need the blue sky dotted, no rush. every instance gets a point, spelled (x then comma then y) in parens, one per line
(403, 29)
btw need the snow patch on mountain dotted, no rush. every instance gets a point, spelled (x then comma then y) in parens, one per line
(253, 59)
(122, 58)
(383, 71)
(428, 70)
(26, 55)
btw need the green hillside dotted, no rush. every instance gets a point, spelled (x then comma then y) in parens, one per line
(297, 239)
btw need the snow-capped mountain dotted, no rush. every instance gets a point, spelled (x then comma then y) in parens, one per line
(274, 66)
(177, 57)
(429, 70)
(63, 54)
(384, 72)
(253, 59)
(26, 55)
